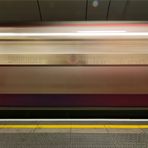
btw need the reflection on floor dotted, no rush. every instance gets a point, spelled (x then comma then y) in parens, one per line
(75, 134)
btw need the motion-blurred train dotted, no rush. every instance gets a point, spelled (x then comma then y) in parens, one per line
(76, 67)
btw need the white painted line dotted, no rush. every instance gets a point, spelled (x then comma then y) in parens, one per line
(75, 120)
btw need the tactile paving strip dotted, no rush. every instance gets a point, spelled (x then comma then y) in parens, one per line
(73, 140)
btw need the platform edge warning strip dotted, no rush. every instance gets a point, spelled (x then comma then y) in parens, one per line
(51, 126)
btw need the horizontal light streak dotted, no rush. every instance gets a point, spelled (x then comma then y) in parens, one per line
(103, 31)
(78, 34)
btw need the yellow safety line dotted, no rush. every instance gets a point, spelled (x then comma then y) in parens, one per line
(49, 126)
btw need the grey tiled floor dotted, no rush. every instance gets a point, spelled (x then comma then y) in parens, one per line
(73, 138)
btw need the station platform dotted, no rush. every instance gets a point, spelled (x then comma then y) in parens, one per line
(74, 70)
(74, 133)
